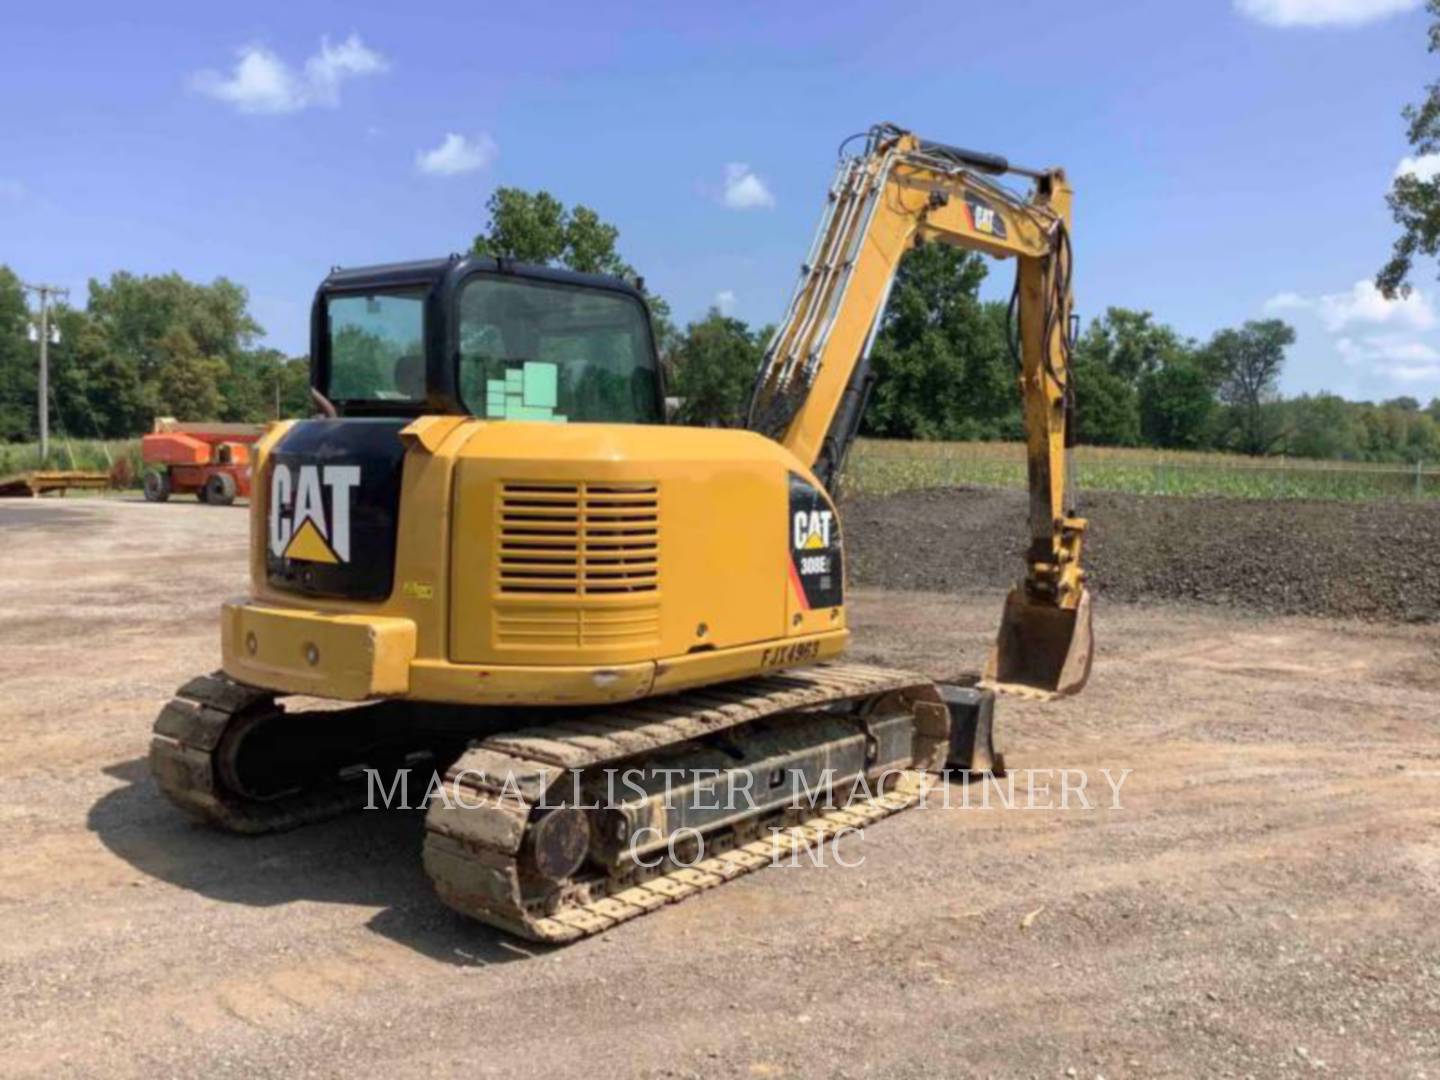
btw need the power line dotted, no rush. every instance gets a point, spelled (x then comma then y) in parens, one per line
(45, 292)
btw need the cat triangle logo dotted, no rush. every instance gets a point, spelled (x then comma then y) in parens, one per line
(308, 544)
(301, 525)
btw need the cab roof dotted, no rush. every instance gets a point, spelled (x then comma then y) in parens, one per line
(457, 267)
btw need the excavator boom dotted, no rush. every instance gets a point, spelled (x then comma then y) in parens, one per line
(811, 390)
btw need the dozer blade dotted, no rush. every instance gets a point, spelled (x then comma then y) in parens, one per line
(1041, 650)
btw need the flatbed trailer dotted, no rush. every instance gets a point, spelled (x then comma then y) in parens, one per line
(52, 481)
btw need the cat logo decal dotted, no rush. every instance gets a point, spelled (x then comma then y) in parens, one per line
(310, 512)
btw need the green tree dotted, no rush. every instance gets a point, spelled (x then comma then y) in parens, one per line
(247, 387)
(535, 227)
(1177, 405)
(295, 399)
(527, 226)
(1107, 408)
(1415, 201)
(942, 368)
(1138, 380)
(151, 324)
(264, 384)
(96, 391)
(136, 312)
(187, 383)
(17, 362)
(1131, 344)
(715, 365)
(1248, 362)
(1107, 403)
(1323, 426)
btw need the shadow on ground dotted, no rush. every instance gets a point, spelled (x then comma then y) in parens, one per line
(370, 858)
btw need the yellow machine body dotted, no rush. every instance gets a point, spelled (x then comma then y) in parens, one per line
(698, 522)
(714, 593)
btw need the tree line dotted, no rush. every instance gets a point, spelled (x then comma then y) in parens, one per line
(147, 346)
(944, 370)
(142, 347)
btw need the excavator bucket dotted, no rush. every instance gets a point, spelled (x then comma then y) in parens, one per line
(1041, 648)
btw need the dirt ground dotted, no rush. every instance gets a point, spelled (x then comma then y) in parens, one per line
(1264, 901)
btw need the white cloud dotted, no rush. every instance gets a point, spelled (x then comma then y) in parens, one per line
(744, 190)
(332, 65)
(1322, 12)
(725, 301)
(11, 190)
(1362, 304)
(457, 154)
(261, 82)
(1394, 356)
(1424, 168)
(1385, 349)
(1414, 372)
(1381, 342)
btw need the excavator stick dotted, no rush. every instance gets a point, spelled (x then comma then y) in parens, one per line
(1041, 649)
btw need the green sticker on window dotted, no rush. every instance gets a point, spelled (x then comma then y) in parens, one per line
(529, 391)
(540, 385)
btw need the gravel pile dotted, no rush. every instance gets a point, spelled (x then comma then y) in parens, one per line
(1378, 561)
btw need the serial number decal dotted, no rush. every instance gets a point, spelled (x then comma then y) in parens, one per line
(790, 654)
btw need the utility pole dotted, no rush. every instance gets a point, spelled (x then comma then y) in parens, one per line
(45, 292)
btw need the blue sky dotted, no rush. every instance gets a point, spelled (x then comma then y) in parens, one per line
(1230, 157)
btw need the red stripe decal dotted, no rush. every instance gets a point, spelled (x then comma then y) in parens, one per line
(799, 589)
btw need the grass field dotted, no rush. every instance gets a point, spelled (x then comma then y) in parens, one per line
(883, 466)
(880, 467)
(71, 454)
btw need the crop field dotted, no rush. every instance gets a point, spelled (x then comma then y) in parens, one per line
(885, 467)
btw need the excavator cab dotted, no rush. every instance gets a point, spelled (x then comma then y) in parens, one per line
(488, 338)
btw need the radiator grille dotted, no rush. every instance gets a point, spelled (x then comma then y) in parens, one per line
(582, 540)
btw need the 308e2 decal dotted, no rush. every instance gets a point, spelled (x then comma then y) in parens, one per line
(816, 568)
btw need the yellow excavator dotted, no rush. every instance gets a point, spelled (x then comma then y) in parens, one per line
(611, 643)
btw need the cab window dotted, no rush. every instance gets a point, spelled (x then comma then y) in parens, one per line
(377, 346)
(539, 350)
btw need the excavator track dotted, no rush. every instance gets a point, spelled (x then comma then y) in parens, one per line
(503, 851)
(199, 746)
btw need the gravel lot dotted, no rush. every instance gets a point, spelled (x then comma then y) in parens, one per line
(1373, 561)
(1262, 903)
